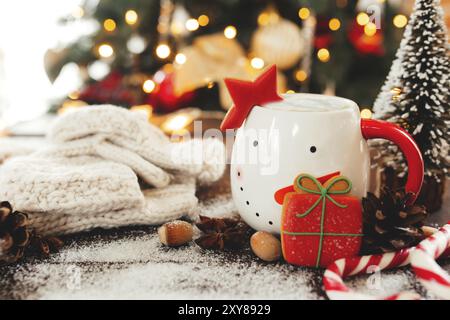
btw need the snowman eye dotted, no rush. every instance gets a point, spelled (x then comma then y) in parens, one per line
(313, 149)
(255, 143)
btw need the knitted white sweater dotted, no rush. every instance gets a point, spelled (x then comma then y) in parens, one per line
(160, 205)
(87, 178)
(126, 137)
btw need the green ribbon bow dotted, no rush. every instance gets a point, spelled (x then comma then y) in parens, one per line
(325, 194)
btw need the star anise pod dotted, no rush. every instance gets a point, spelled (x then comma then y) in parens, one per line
(222, 233)
(390, 224)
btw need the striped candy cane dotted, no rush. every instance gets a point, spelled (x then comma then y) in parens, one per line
(423, 262)
(342, 268)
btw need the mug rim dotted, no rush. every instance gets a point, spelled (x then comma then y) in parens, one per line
(345, 104)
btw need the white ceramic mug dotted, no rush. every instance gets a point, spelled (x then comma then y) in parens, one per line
(306, 133)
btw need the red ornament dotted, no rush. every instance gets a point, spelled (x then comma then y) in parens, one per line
(163, 97)
(365, 44)
(246, 95)
(320, 223)
(111, 89)
(323, 37)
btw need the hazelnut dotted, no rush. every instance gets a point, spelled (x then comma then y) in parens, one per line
(265, 246)
(175, 233)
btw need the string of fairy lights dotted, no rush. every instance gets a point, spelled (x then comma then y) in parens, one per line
(163, 50)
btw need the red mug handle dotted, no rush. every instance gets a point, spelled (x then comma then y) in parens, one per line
(372, 129)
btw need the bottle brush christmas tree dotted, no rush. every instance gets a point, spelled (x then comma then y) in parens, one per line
(416, 96)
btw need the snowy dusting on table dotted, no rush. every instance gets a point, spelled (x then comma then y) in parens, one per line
(137, 266)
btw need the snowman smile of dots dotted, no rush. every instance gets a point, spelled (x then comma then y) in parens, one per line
(279, 137)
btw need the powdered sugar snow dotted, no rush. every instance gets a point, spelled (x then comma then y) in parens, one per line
(133, 264)
(138, 266)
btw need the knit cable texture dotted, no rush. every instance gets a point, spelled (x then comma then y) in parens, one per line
(118, 130)
(88, 176)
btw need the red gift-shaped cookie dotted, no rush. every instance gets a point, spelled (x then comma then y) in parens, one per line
(320, 223)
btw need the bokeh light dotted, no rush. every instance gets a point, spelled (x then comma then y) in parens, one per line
(109, 25)
(400, 21)
(362, 18)
(163, 51)
(230, 32)
(131, 17)
(105, 50)
(304, 13)
(257, 63)
(324, 55)
(148, 86)
(334, 24)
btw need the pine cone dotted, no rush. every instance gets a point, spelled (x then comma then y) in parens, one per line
(17, 239)
(389, 223)
(14, 234)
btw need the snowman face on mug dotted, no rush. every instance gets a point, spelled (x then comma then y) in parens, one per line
(301, 134)
(280, 137)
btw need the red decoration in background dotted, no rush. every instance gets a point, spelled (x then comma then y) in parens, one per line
(116, 89)
(323, 38)
(320, 226)
(109, 90)
(247, 94)
(163, 97)
(365, 44)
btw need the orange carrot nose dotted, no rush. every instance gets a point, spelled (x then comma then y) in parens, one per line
(280, 194)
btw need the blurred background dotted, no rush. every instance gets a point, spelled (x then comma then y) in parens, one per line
(164, 55)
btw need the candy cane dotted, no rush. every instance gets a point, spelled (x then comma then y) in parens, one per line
(429, 273)
(338, 270)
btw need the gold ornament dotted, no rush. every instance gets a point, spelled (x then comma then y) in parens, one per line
(279, 43)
